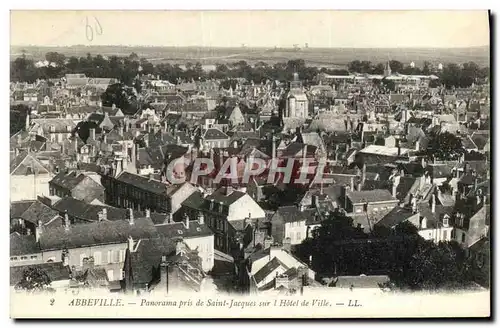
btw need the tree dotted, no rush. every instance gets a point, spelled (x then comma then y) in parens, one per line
(444, 146)
(18, 118)
(122, 96)
(434, 266)
(34, 279)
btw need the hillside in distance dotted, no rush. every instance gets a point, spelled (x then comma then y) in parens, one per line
(322, 57)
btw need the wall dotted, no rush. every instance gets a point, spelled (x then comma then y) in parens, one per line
(271, 276)
(437, 235)
(205, 247)
(28, 187)
(181, 195)
(77, 254)
(38, 259)
(240, 209)
(296, 231)
(88, 190)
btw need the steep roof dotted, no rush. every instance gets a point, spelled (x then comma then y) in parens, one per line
(23, 245)
(179, 230)
(97, 233)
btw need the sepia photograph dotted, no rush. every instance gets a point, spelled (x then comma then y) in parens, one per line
(250, 164)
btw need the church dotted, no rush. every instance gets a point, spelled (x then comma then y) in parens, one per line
(297, 105)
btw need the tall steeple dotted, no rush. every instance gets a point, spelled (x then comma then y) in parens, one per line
(387, 70)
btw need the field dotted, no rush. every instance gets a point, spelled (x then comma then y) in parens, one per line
(322, 57)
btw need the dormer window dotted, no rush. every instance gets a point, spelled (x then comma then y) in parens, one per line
(180, 232)
(445, 221)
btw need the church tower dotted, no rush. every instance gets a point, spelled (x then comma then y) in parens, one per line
(387, 70)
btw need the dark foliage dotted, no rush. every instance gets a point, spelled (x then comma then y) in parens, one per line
(34, 279)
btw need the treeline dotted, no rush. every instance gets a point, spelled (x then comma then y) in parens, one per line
(126, 69)
(412, 263)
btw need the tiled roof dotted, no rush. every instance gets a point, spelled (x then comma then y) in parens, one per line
(69, 180)
(179, 230)
(25, 163)
(220, 196)
(214, 134)
(17, 208)
(370, 196)
(97, 233)
(395, 217)
(153, 186)
(23, 245)
(267, 269)
(39, 211)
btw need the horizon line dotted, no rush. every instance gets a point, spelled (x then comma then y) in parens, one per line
(239, 47)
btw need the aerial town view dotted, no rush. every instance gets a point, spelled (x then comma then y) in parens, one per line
(248, 170)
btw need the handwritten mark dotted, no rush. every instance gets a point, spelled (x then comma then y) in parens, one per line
(89, 30)
(52, 301)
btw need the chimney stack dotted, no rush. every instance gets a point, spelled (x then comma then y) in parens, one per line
(273, 155)
(433, 203)
(66, 221)
(38, 230)
(92, 134)
(130, 213)
(65, 257)
(148, 213)
(130, 243)
(201, 218)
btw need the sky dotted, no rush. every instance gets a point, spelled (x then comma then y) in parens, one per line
(338, 29)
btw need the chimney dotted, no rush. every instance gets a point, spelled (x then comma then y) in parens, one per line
(148, 213)
(273, 155)
(66, 221)
(136, 147)
(414, 205)
(399, 150)
(186, 222)
(120, 130)
(130, 215)
(201, 218)
(92, 134)
(130, 243)
(235, 144)
(229, 190)
(38, 230)
(433, 203)
(65, 257)
(417, 145)
(410, 199)
(104, 214)
(394, 189)
(104, 138)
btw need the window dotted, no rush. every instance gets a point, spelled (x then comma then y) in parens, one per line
(116, 257)
(298, 236)
(34, 257)
(14, 258)
(122, 255)
(82, 256)
(463, 237)
(110, 256)
(97, 258)
(445, 234)
(110, 275)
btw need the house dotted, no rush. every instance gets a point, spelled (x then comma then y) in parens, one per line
(214, 138)
(24, 250)
(290, 222)
(29, 178)
(27, 216)
(368, 201)
(77, 185)
(134, 191)
(162, 267)
(196, 234)
(225, 211)
(53, 129)
(105, 242)
(57, 272)
(270, 262)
